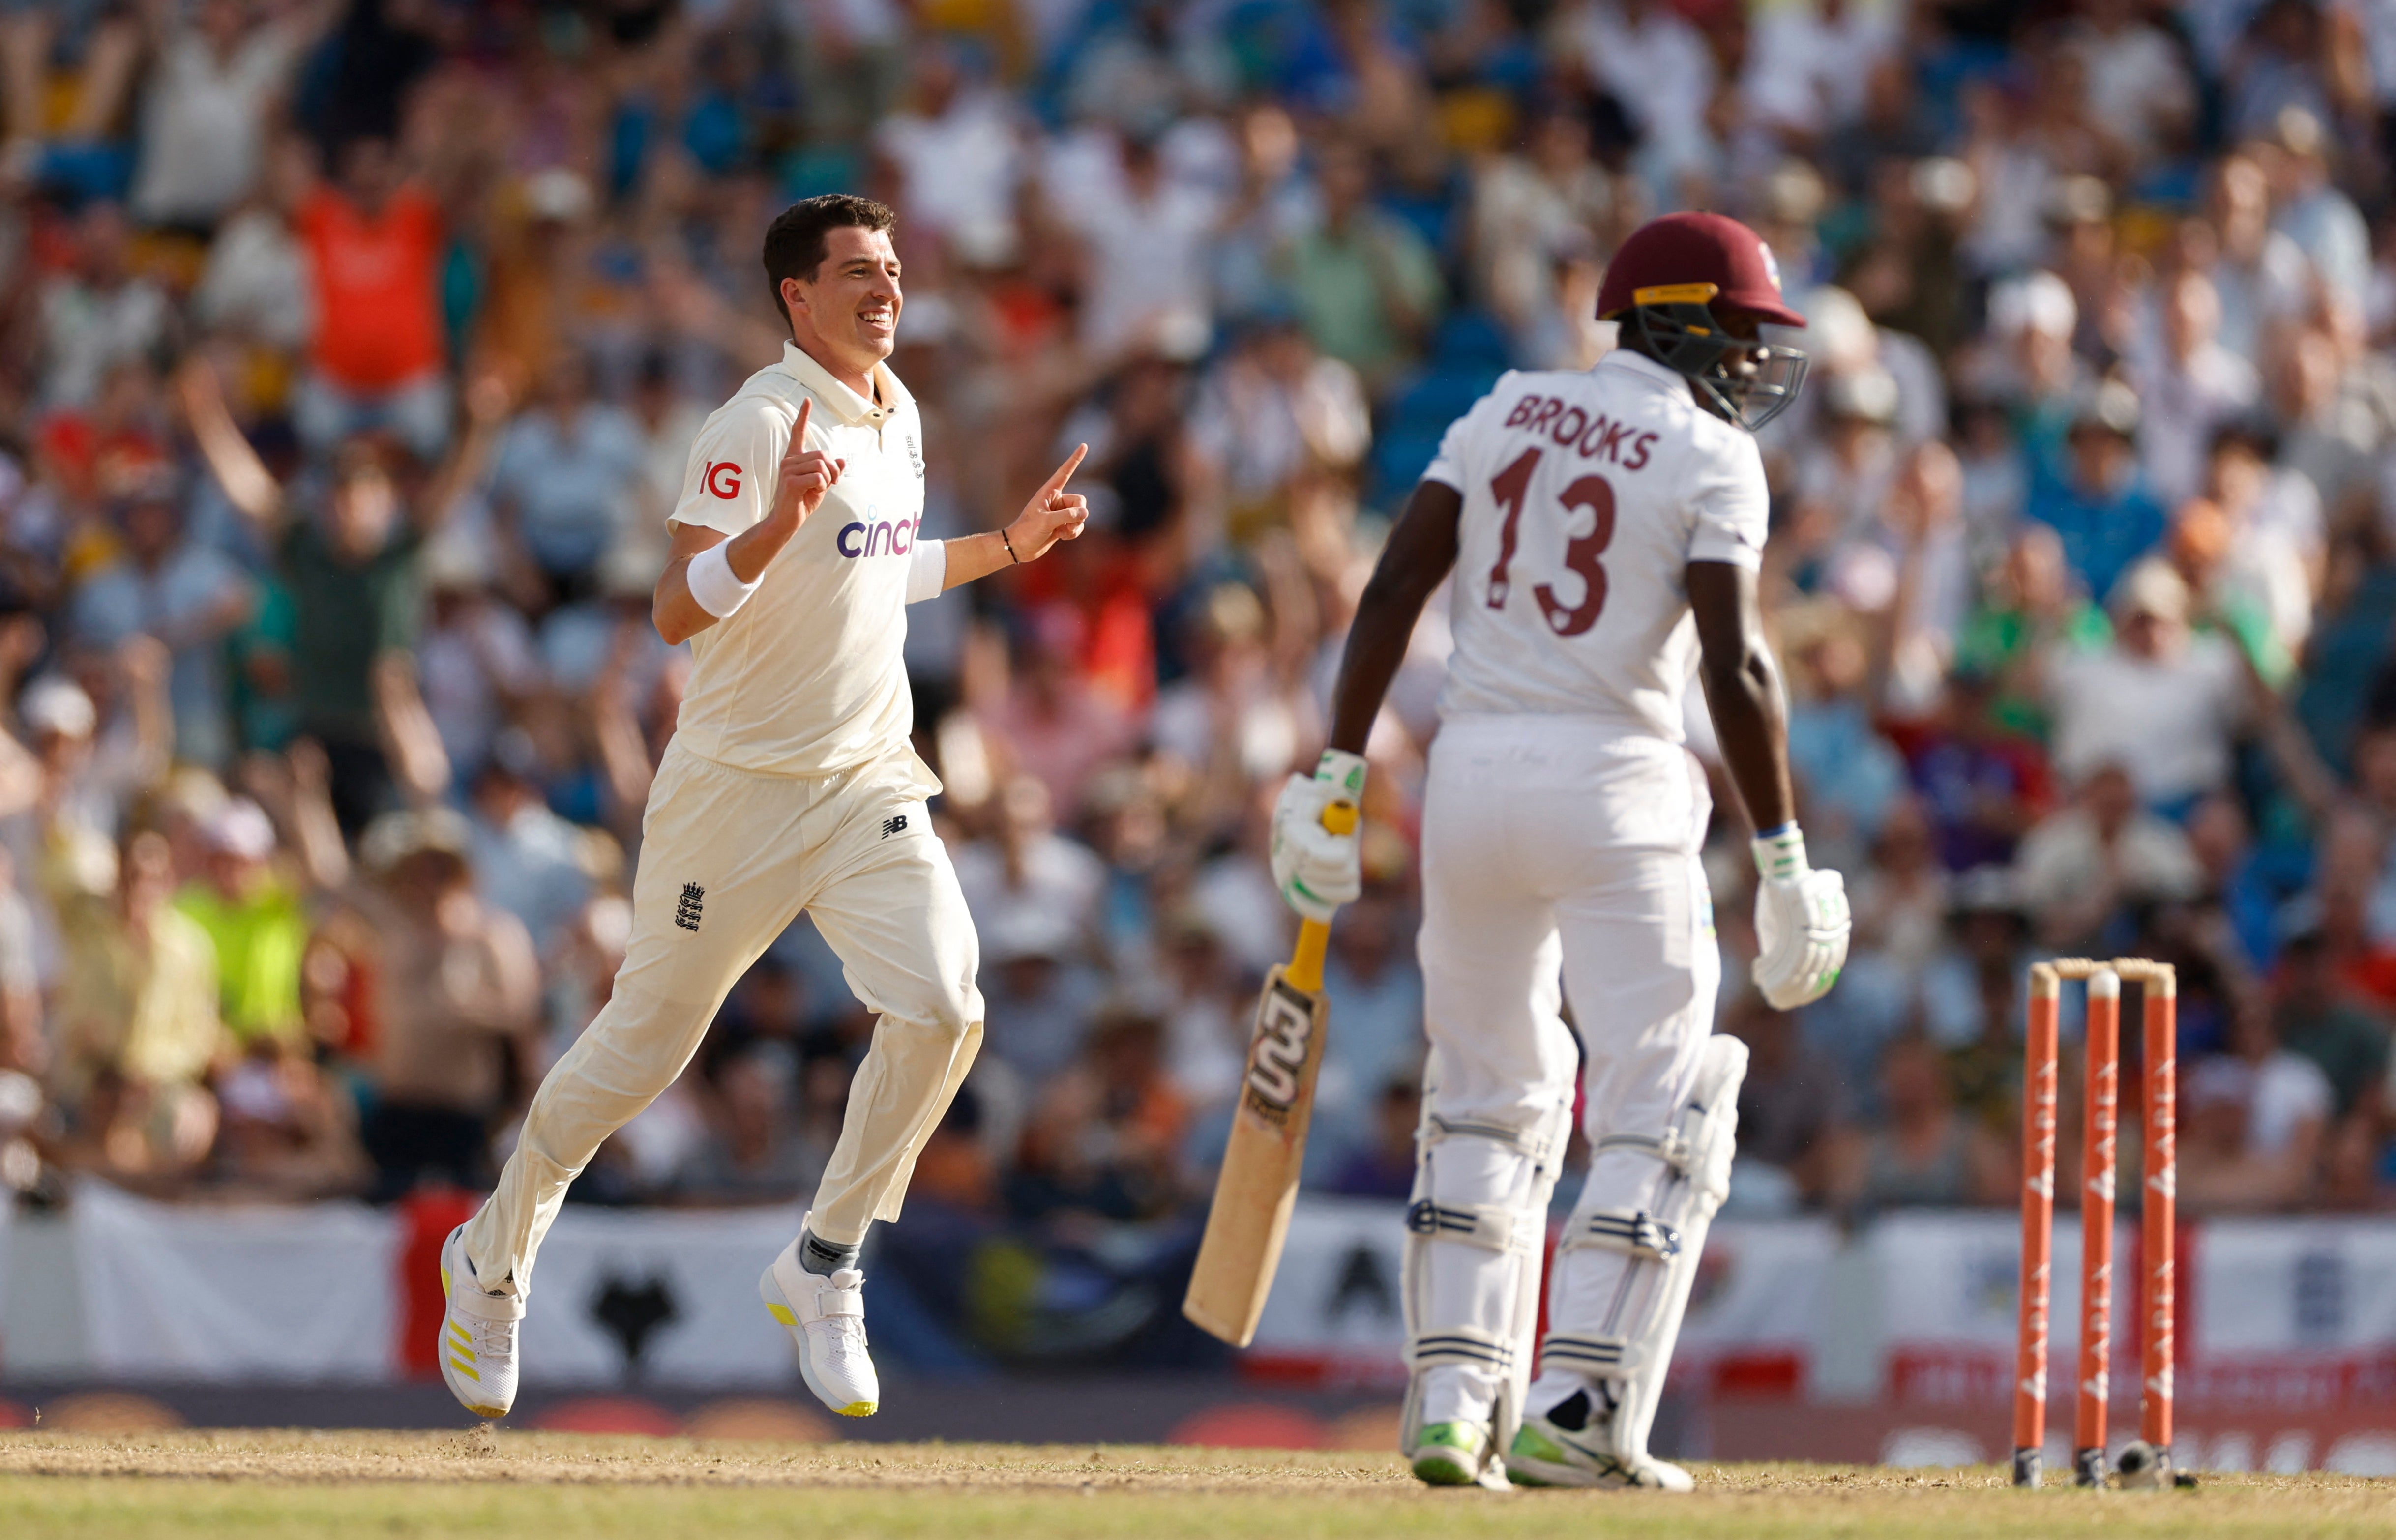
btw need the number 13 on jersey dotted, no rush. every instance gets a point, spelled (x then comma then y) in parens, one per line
(1511, 487)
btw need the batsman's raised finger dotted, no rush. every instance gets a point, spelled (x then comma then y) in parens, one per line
(798, 444)
(1063, 473)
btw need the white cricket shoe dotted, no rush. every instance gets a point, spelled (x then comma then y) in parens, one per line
(478, 1336)
(826, 1317)
(1544, 1455)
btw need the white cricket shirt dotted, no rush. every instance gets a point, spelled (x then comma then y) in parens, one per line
(1586, 497)
(808, 676)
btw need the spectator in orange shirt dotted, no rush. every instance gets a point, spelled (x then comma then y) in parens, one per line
(371, 246)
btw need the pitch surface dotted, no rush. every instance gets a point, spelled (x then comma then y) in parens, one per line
(555, 1486)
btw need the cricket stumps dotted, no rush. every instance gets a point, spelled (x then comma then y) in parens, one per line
(2146, 1462)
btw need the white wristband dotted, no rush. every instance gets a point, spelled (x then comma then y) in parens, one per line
(712, 584)
(1781, 852)
(927, 570)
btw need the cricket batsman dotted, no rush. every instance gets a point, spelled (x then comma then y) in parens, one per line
(788, 785)
(1605, 530)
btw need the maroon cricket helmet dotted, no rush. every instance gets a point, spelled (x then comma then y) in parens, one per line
(1681, 252)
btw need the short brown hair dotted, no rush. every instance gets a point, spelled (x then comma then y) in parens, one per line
(794, 242)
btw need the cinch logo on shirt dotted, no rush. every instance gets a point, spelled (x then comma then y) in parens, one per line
(722, 478)
(877, 540)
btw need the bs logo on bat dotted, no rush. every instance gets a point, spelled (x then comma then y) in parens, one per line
(1277, 1058)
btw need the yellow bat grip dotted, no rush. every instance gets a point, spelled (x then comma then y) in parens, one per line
(1305, 970)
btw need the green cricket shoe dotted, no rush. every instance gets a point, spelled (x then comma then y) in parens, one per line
(1533, 1458)
(1450, 1453)
(1546, 1455)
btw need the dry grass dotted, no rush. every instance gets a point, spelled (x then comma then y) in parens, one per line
(552, 1486)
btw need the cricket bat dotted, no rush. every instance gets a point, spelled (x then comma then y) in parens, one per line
(1258, 1184)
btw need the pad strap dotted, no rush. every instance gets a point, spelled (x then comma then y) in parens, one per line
(1437, 1130)
(1461, 1345)
(1671, 1149)
(1633, 1232)
(1597, 1357)
(1493, 1227)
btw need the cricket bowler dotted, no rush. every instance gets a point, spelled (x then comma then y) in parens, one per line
(788, 785)
(1605, 531)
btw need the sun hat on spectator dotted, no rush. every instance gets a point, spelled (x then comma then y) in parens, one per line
(2112, 407)
(1838, 332)
(2079, 200)
(557, 196)
(193, 792)
(240, 829)
(1231, 613)
(82, 861)
(2298, 131)
(1867, 395)
(1944, 184)
(20, 1101)
(56, 706)
(20, 1106)
(454, 563)
(395, 836)
(2151, 588)
(1862, 575)
(1794, 194)
(2035, 301)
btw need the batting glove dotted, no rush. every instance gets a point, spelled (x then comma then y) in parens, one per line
(1800, 922)
(1316, 870)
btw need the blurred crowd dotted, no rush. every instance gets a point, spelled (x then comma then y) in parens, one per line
(352, 350)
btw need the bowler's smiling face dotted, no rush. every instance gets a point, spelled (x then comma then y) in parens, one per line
(851, 306)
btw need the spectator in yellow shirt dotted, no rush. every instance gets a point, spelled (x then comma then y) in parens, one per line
(257, 925)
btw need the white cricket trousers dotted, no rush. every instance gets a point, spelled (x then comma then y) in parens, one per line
(728, 858)
(1559, 857)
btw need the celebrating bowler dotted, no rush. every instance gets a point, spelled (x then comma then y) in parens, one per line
(788, 785)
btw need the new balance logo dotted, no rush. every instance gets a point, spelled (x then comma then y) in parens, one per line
(893, 825)
(686, 907)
